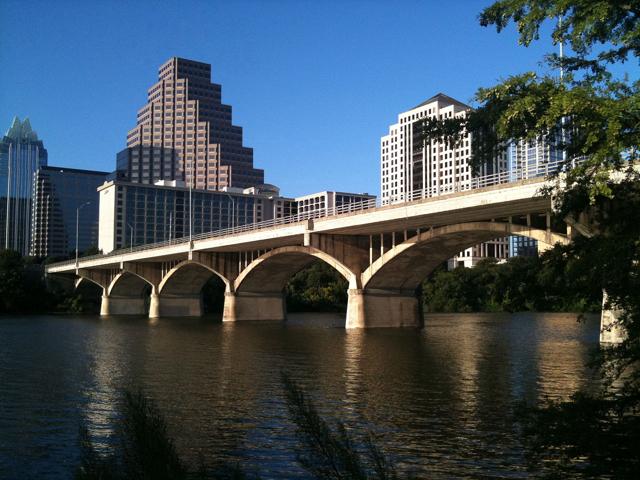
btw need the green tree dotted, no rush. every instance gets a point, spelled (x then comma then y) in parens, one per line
(12, 281)
(596, 116)
(318, 287)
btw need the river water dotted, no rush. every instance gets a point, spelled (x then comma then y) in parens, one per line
(440, 399)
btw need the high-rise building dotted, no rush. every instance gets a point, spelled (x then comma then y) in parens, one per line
(185, 132)
(65, 199)
(21, 154)
(412, 169)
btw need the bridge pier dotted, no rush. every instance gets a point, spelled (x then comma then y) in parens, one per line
(610, 331)
(175, 306)
(382, 308)
(117, 305)
(240, 306)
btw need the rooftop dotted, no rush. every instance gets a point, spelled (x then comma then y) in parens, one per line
(441, 97)
(22, 131)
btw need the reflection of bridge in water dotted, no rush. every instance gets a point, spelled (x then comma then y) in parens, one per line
(384, 252)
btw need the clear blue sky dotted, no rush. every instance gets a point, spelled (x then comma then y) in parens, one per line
(314, 84)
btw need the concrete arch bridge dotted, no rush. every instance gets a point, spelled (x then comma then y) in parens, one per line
(384, 253)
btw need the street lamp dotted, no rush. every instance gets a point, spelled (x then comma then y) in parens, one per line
(77, 227)
(190, 206)
(233, 211)
(131, 230)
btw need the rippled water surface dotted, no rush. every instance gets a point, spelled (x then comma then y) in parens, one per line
(439, 398)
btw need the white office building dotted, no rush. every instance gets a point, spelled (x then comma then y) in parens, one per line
(412, 170)
(327, 202)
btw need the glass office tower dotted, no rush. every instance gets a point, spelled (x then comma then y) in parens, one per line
(21, 154)
(57, 194)
(529, 158)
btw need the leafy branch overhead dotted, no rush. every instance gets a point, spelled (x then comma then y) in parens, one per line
(610, 27)
(590, 114)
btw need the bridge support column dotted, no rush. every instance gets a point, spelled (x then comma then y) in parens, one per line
(114, 305)
(253, 306)
(175, 306)
(382, 308)
(610, 331)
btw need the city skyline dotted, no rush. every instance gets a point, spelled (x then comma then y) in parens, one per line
(331, 125)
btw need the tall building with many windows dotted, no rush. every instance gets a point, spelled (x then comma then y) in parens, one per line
(412, 169)
(21, 154)
(185, 132)
(65, 202)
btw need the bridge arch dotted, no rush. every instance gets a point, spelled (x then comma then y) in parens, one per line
(88, 293)
(271, 271)
(82, 281)
(404, 267)
(129, 284)
(258, 292)
(188, 278)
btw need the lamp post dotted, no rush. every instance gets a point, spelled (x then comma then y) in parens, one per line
(233, 212)
(78, 227)
(131, 241)
(562, 120)
(190, 206)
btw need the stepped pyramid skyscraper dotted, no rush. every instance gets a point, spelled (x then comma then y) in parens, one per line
(185, 128)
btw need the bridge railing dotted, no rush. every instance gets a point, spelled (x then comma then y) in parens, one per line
(501, 177)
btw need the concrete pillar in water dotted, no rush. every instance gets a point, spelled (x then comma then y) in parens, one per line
(240, 306)
(113, 305)
(175, 306)
(382, 308)
(154, 305)
(610, 331)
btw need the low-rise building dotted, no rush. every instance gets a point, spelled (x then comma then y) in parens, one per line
(327, 202)
(136, 214)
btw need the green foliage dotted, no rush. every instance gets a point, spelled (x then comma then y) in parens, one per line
(317, 288)
(21, 282)
(585, 437)
(12, 281)
(142, 450)
(24, 289)
(600, 118)
(332, 453)
(520, 284)
(609, 24)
